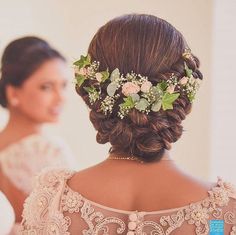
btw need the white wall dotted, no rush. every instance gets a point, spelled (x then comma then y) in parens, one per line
(223, 115)
(70, 25)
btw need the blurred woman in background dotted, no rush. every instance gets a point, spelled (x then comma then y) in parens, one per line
(32, 88)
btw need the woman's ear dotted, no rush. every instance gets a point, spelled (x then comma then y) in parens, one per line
(12, 96)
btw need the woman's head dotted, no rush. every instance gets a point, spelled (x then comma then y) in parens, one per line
(149, 46)
(33, 78)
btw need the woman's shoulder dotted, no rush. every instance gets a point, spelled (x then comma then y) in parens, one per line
(52, 177)
(52, 185)
(35, 142)
(216, 210)
(45, 196)
(223, 194)
(48, 183)
(21, 160)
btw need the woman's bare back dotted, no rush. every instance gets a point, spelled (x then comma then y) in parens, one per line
(135, 186)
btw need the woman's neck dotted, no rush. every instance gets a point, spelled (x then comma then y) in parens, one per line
(114, 156)
(20, 126)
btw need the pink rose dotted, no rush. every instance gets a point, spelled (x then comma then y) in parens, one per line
(146, 86)
(98, 76)
(171, 89)
(183, 80)
(130, 88)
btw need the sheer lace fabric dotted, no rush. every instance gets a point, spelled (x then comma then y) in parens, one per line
(54, 208)
(20, 161)
(7, 218)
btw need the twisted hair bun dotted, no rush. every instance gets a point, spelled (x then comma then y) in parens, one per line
(151, 47)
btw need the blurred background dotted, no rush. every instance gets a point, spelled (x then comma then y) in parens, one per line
(206, 148)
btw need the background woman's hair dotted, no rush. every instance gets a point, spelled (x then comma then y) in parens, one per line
(20, 59)
(152, 47)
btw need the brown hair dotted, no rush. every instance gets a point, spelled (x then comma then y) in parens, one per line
(152, 47)
(21, 58)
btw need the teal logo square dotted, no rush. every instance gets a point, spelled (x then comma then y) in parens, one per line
(216, 227)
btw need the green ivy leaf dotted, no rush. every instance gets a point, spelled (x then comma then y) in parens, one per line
(80, 79)
(83, 61)
(90, 89)
(168, 100)
(188, 71)
(111, 88)
(142, 104)
(162, 86)
(129, 103)
(105, 75)
(156, 106)
(115, 74)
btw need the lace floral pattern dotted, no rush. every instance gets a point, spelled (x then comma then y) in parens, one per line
(71, 202)
(22, 160)
(44, 212)
(198, 215)
(233, 230)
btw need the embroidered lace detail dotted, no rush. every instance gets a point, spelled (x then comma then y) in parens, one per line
(198, 215)
(71, 201)
(37, 205)
(58, 224)
(173, 221)
(154, 227)
(230, 216)
(53, 207)
(233, 230)
(22, 160)
(97, 222)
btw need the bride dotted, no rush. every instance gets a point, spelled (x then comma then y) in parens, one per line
(139, 80)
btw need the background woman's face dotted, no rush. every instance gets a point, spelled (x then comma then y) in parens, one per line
(41, 97)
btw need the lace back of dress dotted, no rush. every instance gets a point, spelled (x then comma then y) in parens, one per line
(54, 208)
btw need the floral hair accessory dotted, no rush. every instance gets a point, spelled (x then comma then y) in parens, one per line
(132, 91)
(187, 54)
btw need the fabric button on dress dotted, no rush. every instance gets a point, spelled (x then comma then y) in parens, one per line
(133, 217)
(132, 225)
(130, 233)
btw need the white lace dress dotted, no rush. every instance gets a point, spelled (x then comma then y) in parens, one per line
(22, 160)
(7, 216)
(54, 208)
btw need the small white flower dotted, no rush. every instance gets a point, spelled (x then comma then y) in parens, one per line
(98, 76)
